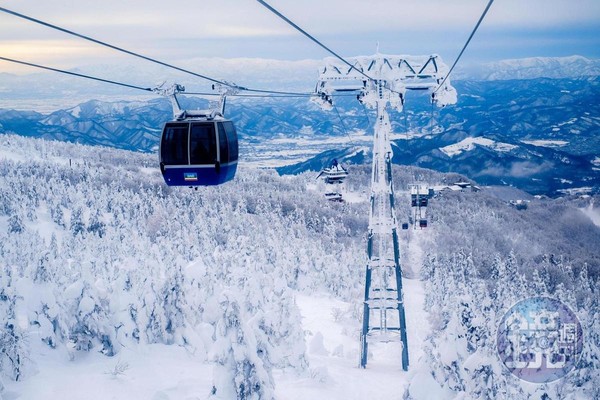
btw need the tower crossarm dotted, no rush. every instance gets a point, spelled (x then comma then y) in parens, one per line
(399, 73)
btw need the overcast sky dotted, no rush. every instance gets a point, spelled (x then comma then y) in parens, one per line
(178, 32)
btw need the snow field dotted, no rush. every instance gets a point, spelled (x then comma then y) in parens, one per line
(332, 334)
(154, 372)
(299, 288)
(470, 143)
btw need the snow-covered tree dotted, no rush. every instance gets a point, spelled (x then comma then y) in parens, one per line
(13, 346)
(239, 370)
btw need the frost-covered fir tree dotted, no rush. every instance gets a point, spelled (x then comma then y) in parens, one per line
(13, 348)
(86, 317)
(239, 371)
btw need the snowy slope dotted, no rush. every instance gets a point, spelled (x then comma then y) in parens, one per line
(546, 143)
(114, 286)
(149, 372)
(469, 144)
(332, 331)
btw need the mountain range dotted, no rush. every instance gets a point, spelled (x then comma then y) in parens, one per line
(535, 67)
(540, 135)
(49, 91)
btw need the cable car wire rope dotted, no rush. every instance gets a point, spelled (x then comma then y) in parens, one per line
(148, 89)
(466, 43)
(122, 50)
(315, 40)
(308, 35)
(343, 124)
(264, 96)
(366, 114)
(299, 95)
(76, 74)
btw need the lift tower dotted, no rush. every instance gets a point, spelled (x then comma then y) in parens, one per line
(381, 81)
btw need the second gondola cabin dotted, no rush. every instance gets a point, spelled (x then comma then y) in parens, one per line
(198, 151)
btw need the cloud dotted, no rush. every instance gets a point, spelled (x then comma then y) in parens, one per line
(518, 169)
(525, 169)
(234, 28)
(209, 17)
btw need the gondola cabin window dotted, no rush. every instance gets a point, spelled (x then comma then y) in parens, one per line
(223, 145)
(203, 146)
(174, 144)
(232, 141)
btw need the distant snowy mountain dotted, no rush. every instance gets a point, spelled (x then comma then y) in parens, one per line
(537, 67)
(539, 135)
(50, 91)
(60, 91)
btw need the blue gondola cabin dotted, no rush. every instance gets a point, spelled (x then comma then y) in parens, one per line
(198, 152)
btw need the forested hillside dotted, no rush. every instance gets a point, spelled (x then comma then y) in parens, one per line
(98, 255)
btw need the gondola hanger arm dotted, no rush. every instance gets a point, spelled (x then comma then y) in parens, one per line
(171, 93)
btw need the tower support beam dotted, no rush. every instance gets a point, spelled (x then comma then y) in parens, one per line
(384, 316)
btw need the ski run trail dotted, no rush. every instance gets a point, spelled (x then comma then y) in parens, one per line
(333, 346)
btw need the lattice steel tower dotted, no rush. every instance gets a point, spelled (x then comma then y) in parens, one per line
(389, 77)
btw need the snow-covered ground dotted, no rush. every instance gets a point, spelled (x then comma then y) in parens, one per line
(107, 306)
(161, 372)
(470, 143)
(278, 152)
(546, 143)
(153, 372)
(333, 335)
